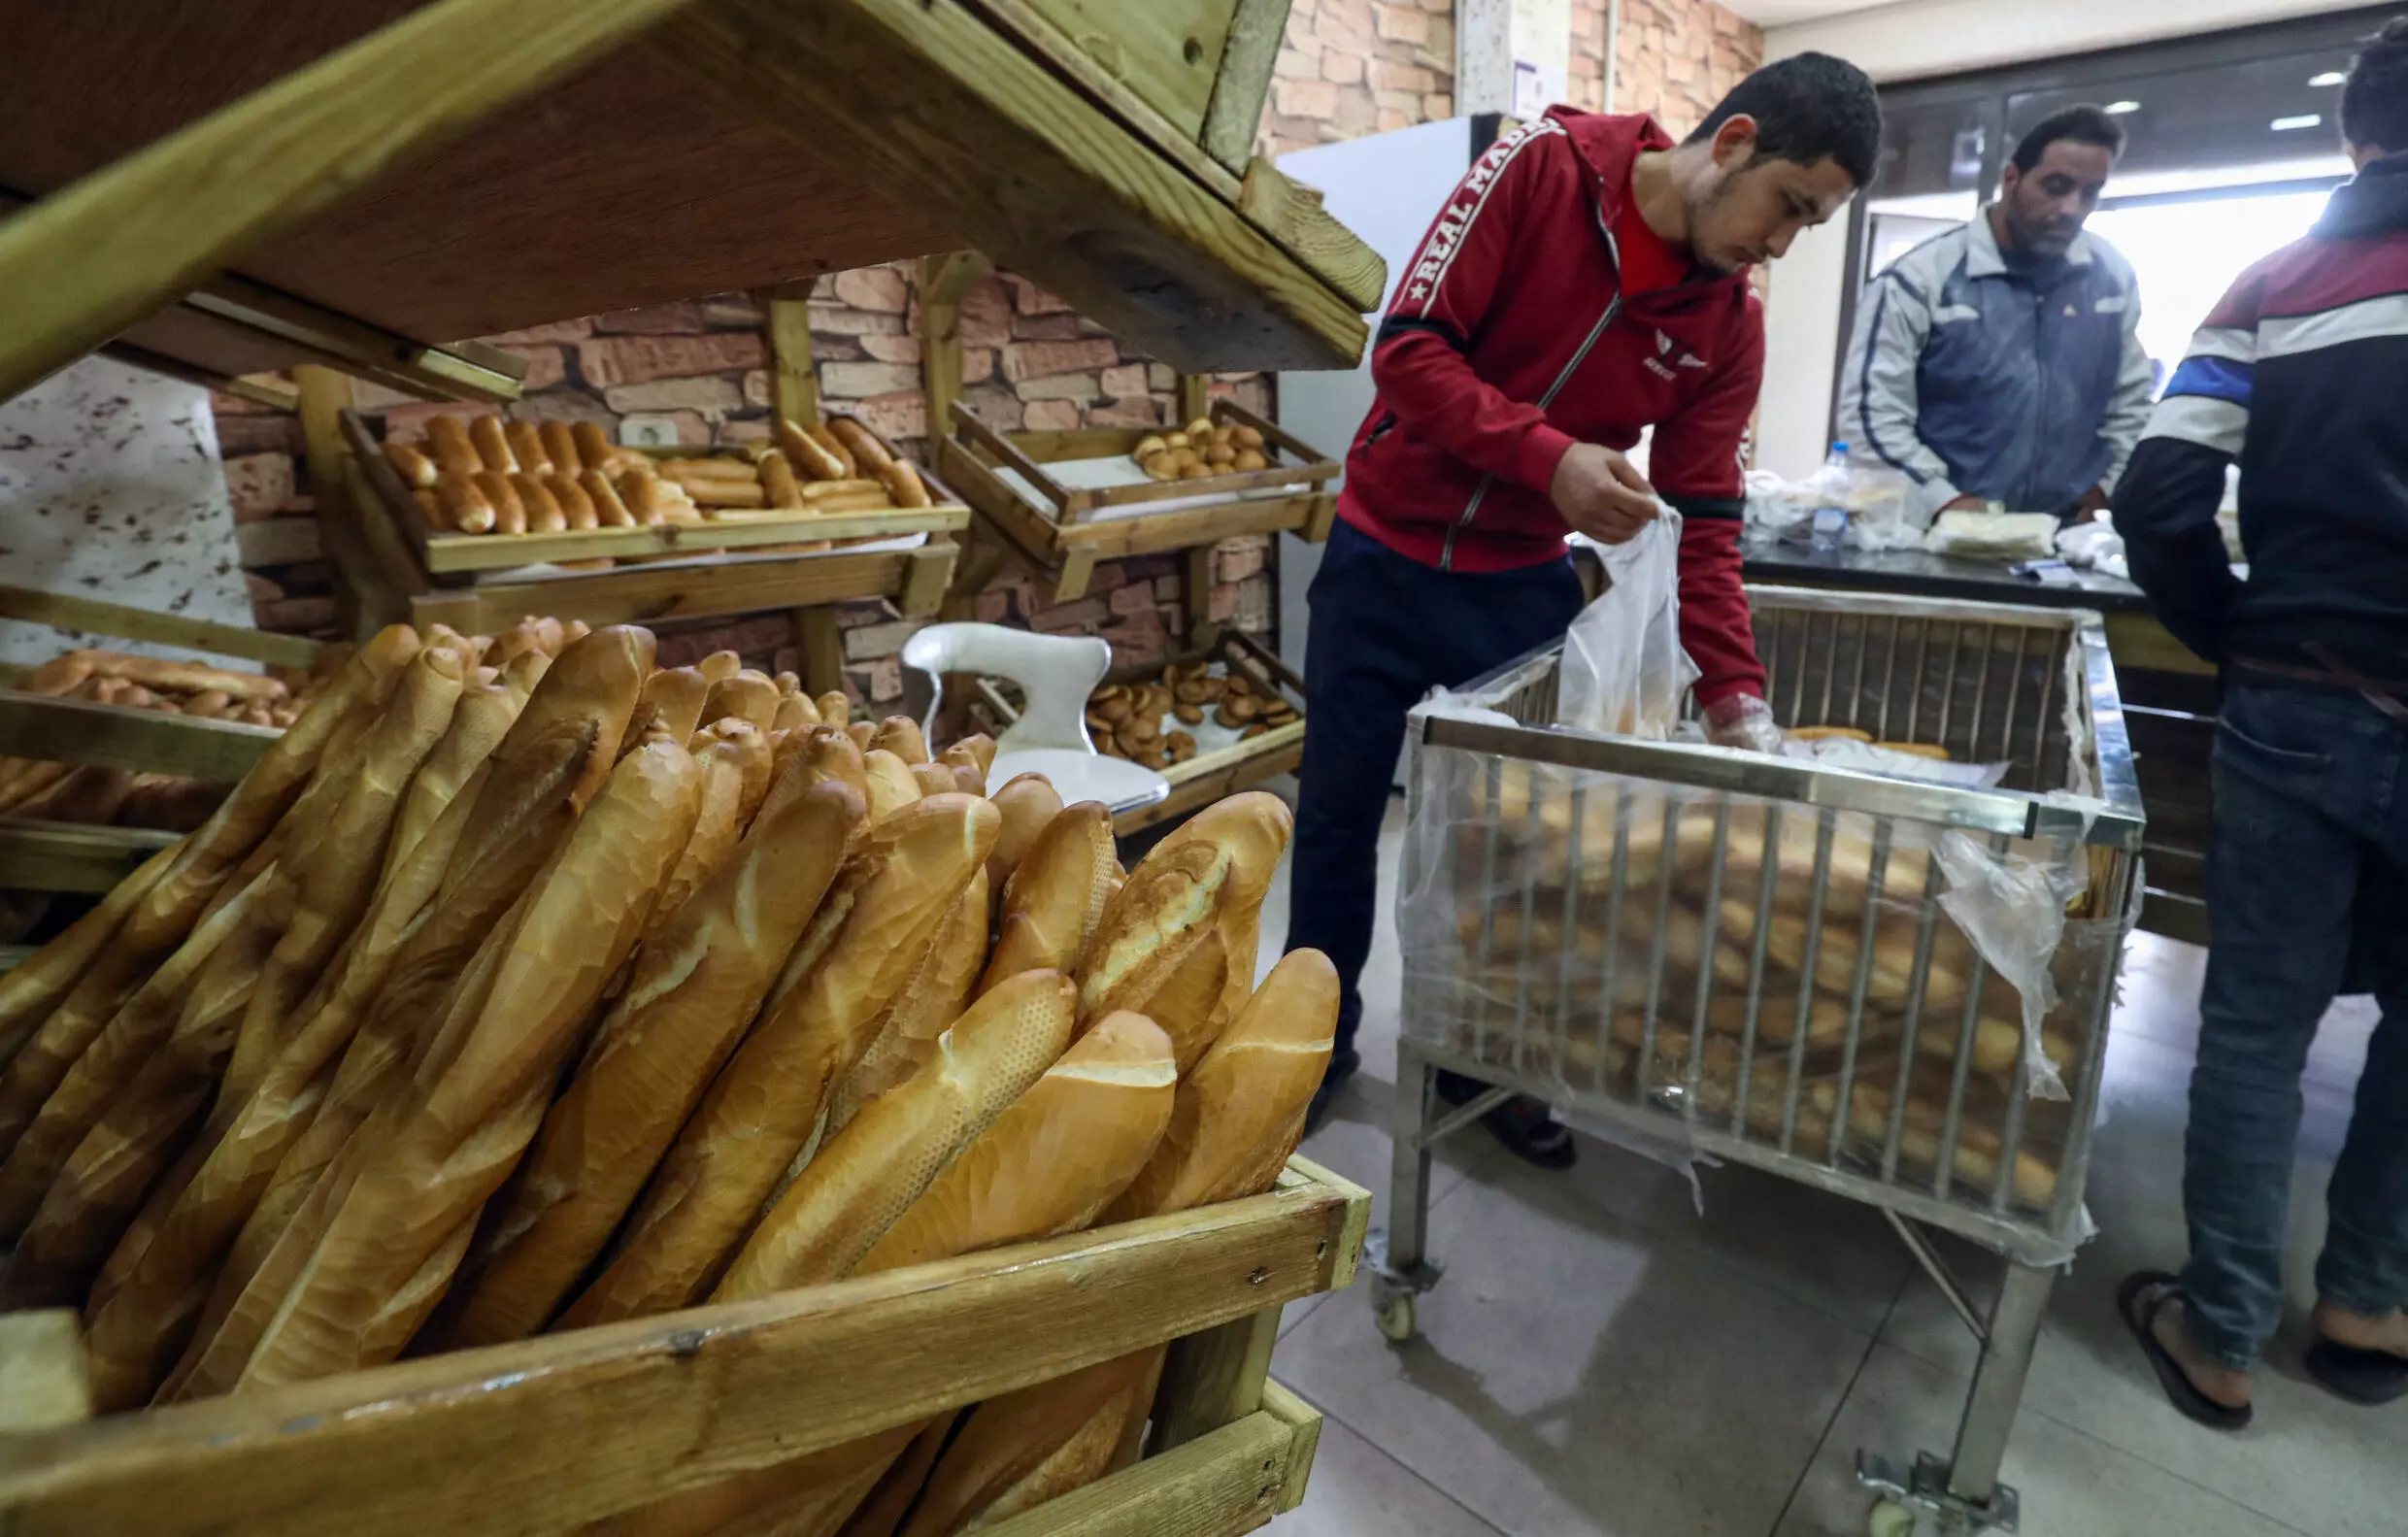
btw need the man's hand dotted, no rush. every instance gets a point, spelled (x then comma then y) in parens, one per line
(1743, 721)
(2092, 506)
(1600, 495)
(1964, 504)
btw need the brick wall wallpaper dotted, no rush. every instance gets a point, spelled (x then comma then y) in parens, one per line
(1351, 67)
(1675, 58)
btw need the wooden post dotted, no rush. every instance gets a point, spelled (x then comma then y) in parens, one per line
(823, 644)
(1213, 1379)
(794, 384)
(1235, 113)
(1195, 580)
(323, 395)
(1196, 397)
(944, 283)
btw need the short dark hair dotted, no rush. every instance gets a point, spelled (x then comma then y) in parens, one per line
(1807, 107)
(2374, 99)
(2084, 124)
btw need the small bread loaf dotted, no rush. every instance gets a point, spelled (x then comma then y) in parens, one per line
(847, 465)
(697, 983)
(1240, 1113)
(869, 456)
(493, 445)
(526, 446)
(1056, 897)
(872, 1171)
(611, 509)
(559, 443)
(447, 438)
(645, 495)
(510, 511)
(414, 466)
(575, 505)
(543, 513)
(901, 736)
(778, 487)
(892, 785)
(806, 454)
(1055, 1159)
(594, 451)
(844, 975)
(835, 707)
(465, 506)
(903, 483)
(713, 494)
(747, 695)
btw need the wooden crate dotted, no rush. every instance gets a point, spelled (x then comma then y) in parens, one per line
(38, 855)
(431, 578)
(552, 1433)
(1065, 544)
(1209, 776)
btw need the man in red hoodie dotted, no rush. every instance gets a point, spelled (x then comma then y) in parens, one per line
(1587, 280)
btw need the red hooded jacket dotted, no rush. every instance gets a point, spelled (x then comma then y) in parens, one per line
(1509, 339)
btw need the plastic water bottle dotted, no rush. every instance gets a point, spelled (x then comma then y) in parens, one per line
(1830, 525)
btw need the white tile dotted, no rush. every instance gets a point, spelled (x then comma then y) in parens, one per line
(1575, 1375)
(2071, 1484)
(1358, 1490)
(2159, 1000)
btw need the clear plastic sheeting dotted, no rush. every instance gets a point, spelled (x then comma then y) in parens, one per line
(1881, 1002)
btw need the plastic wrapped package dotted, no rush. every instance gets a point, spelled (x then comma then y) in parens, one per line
(1890, 987)
(1624, 669)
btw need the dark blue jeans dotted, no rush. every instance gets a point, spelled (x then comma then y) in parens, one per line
(2307, 891)
(1386, 630)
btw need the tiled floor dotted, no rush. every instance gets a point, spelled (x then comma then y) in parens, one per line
(1601, 1359)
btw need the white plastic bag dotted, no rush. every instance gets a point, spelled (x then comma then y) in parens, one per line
(1624, 673)
(2013, 909)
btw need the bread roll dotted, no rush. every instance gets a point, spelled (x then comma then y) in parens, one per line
(609, 509)
(414, 467)
(892, 787)
(509, 509)
(526, 446)
(806, 454)
(848, 464)
(714, 493)
(697, 983)
(543, 513)
(1172, 904)
(868, 456)
(795, 713)
(835, 707)
(1243, 1106)
(646, 501)
(747, 695)
(778, 487)
(870, 1171)
(939, 779)
(852, 961)
(575, 505)
(594, 448)
(901, 736)
(465, 506)
(1052, 1162)
(930, 1002)
(448, 441)
(474, 1099)
(1029, 803)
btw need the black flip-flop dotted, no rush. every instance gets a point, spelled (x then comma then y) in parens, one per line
(2139, 1311)
(2362, 1377)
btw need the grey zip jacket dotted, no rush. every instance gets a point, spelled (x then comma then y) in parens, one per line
(2022, 386)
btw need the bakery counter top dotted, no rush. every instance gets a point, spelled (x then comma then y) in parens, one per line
(1918, 573)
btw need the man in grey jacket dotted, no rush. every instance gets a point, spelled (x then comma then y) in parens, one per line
(2001, 361)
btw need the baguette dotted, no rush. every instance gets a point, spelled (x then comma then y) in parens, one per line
(795, 712)
(853, 959)
(1054, 900)
(447, 438)
(747, 695)
(902, 483)
(493, 445)
(817, 493)
(609, 509)
(892, 787)
(411, 464)
(873, 499)
(820, 755)
(697, 983)
(1029, 803)
(938, 779)
(559, 443)
(932, 1000)
(473, 1101)
(478, 723)
(732, 760)
(543, 513)
(869, 456)
(177, 900)
(594, 450)
(674, 696)
(43, 980)
(966, 753)
(1055, 1159)
(692, 470)
(1007, 1440)
(901, 736)
(806, 454)
(1243, 1106)
(867, 1175)
(526, 446)
(778, 487)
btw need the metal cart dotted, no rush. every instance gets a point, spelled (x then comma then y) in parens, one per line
(1763, 959)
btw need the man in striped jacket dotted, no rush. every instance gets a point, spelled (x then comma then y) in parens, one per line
(2301, 375)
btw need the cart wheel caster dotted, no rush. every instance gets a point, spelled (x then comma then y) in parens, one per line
(1890, 1518)
(1394, 1315)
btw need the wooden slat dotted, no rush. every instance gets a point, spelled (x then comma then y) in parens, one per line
(1166, 52)
(447, 553)
(1291, 214)
(1024, 168)
(172, 216)
(116, 736)
(969, 429)
(793, 381)
(92, 616)
(1113, 538)
(1227, 1483)
(65, 857)
(1213, 1379)
(1235, 112)
(384, 571)
(944, 281)
(1304, 1426)
(1080, 443)
(1195, 397)
(550, 1432)
(641, 596)
(926, 573)
(44, 1383)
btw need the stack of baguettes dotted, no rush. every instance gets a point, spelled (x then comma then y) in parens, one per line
(524, 986)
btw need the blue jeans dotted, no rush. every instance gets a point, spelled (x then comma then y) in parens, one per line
(2307, 891)
(1386, 629)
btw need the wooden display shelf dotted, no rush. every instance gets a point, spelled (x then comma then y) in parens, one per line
(1086, 526)
(469, 167)
(553, 1433)
(1209, 776)
(72, 856)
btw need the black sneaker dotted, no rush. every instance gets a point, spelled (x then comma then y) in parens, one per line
(1342, 1067)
